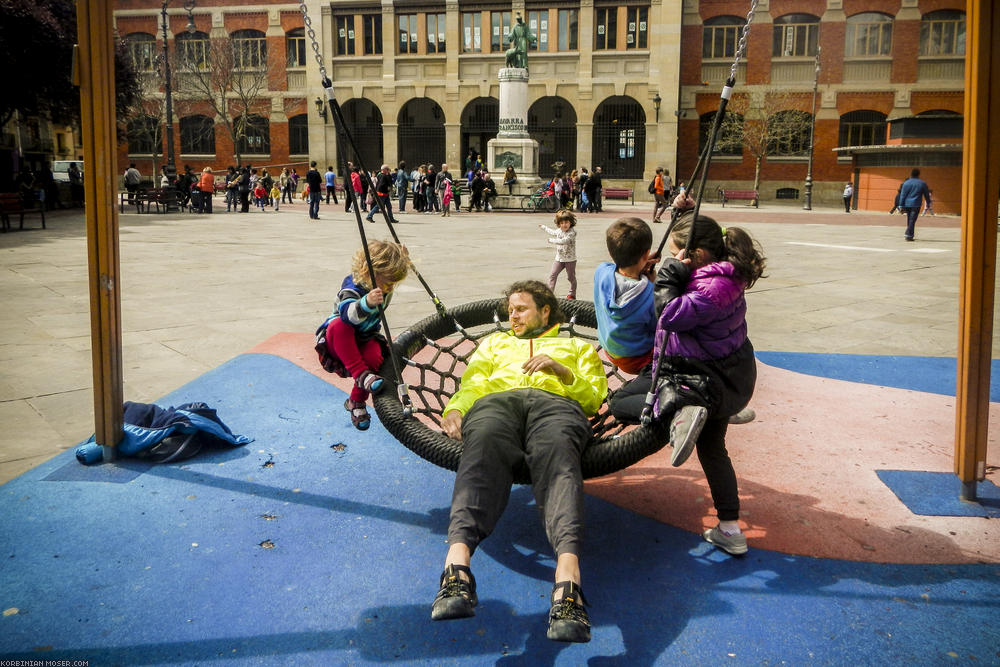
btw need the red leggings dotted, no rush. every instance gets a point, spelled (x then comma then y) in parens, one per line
(358, 356)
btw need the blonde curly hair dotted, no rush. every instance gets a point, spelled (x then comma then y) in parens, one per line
(391, 260)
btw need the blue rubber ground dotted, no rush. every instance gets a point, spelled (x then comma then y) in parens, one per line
(933, 375)
(143, 565)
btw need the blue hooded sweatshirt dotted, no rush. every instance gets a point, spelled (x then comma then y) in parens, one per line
(626, 324)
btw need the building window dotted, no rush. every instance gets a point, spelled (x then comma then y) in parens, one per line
(499, 31)
(795, 35)
(193, 50)
(868, 34)
(862, 128)
(345, 35)
(568, 22)
(720, 36)
(142, 48)
(788, 133)
(636, 29)
(942, 33)
(255, 137)
(197, 135)
(605, 28)
(407, 33)
(249, 50)
(472, 32)
(298, 135)
(538, 24)
(296, 43)
(435, 33)
(372, 24)
(144, 136)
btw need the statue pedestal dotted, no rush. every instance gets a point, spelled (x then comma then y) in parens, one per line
(512, 145)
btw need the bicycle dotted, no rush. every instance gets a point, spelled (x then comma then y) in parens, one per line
(542, 200)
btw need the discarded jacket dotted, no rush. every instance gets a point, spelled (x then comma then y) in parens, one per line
(148, 426)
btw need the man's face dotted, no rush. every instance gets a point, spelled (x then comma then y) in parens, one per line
(524, 313)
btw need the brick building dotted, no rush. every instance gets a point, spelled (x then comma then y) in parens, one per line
(630, 86)
(879, 61)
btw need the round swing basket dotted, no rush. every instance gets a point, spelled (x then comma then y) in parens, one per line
(435, 352)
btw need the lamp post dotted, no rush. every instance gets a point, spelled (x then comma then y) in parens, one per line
(656, 105)
(169, 100)
(812, 135)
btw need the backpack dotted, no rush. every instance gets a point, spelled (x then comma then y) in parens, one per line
(652, 186)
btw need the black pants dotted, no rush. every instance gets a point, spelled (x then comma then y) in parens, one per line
(732, 381)
(504, 431)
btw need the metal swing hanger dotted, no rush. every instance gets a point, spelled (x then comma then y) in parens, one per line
(404, 397)
(342, 129)
(700, 171)
(705, 157)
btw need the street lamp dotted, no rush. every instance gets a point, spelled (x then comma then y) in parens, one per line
(812, 134)
(189, 6)
(656, 105)
(321, 108)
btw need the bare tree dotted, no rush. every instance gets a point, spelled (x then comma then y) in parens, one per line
(765, 122)
(228, 77)
(141, 125)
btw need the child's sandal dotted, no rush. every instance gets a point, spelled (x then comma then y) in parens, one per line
(370, 382)
(359, 414)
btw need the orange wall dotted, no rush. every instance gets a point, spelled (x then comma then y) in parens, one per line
(877, 187)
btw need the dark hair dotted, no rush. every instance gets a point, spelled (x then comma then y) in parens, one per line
(313, 163)
(732, 244)
(915, 173)
(628, 240)
(540, 294)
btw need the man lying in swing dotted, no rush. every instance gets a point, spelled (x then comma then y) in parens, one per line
(524, 399)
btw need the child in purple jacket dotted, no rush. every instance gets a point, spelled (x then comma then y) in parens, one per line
(707, 367)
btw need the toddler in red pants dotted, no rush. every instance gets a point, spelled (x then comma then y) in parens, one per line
(350, 337)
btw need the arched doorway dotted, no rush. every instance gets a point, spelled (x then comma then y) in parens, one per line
(480, 123)
(620, 137)
(552, 123)
(364, 121)
(421, 133)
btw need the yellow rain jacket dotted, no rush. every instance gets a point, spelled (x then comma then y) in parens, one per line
(495, 366)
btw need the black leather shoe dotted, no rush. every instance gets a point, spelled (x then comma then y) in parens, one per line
(568, 620)
(457, 597)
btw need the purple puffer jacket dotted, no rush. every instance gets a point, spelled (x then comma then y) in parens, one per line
(707, 321)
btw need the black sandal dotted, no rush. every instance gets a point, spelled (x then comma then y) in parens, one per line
(457, 597)
(568, 620)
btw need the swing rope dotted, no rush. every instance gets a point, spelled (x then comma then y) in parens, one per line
(700, 172)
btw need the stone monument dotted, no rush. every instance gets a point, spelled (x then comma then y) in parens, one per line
(512, 146)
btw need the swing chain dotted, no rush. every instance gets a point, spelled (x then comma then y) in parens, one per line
(312, 38)
(741, 47)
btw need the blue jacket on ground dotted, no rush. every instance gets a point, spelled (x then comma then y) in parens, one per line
(624, 330)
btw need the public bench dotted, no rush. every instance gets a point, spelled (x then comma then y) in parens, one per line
(166, 197)
(128, 199)
(734, 195)
(618, 193)
(11, 203)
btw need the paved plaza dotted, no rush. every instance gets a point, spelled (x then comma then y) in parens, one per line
(197, 290)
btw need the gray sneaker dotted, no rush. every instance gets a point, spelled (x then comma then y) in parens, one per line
(685, 428)
(735, 545)
(744, 416)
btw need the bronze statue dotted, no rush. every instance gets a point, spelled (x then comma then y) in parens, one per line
(520, 39)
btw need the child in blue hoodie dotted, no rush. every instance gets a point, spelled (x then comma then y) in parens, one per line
(624, 296)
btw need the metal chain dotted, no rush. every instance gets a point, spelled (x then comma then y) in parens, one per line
(741, 47)
(312, 38)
